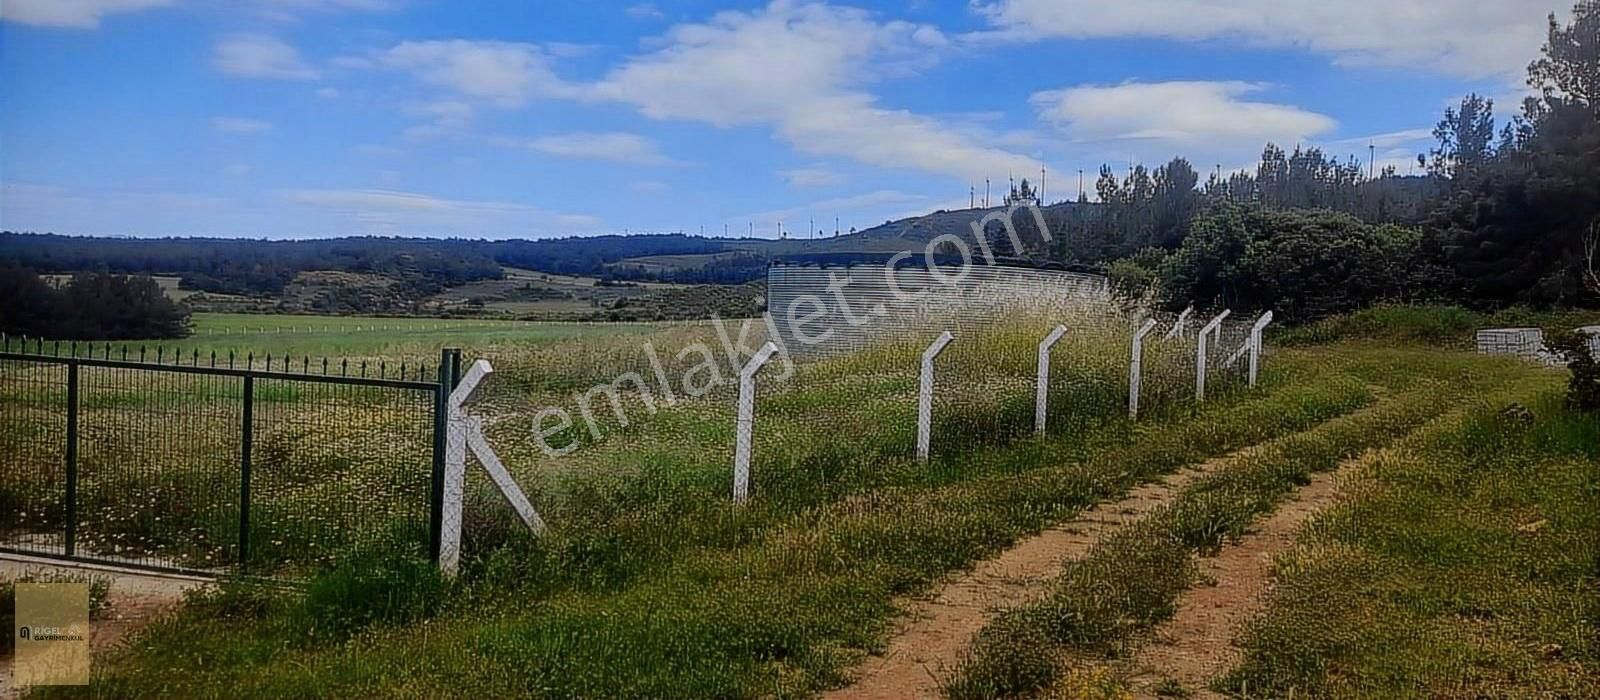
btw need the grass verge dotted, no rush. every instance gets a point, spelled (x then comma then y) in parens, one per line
(1131, 581)
(738, 602)
(1466, 565)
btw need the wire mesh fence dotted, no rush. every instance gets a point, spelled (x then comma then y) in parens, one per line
(198, 466)
(284, 464)
(621, 435)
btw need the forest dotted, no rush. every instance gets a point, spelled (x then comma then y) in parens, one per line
(255, 267)
(1508, 213)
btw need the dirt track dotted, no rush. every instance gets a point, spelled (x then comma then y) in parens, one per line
(939, 628)
(1196, 645)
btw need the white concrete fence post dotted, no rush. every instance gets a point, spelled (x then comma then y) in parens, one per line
(1041, 396)
(465, 434)
(1180, 325)
(1136, 368)
(925, 395)
(1255, 346)
(1212, 328)
(1252, 348)
(745, 423)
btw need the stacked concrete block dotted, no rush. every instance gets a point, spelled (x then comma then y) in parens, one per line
(1523, 342)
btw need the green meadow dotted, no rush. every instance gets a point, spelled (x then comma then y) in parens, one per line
(651, 582)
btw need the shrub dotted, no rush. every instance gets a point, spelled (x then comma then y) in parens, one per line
(1304, 265)
(92, 306)
(1446, 326)
(1583, 390)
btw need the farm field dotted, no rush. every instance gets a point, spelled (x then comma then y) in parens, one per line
(413, 340)
(651, 583)
(527, 292)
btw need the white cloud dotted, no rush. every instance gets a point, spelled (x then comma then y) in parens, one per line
(1186, 114)
(260, 56)
(507, 74)
(290, 10)
(329, 93)
(812, 176)
(444, 117)
(644, 11)
(618, 147)
(801, 68)
(650, 187)
(795, 218)
(1397, 149)
(71, 14)
(240, 125)
(869, 199)
(1466, 38)
(1388, 140)
(26, 206)
(394, 212)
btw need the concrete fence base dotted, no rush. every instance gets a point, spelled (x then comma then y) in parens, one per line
(1528, 343)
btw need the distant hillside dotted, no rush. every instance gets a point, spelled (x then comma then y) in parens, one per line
(915, 232)
(421, 267)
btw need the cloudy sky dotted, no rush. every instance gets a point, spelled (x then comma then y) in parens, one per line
(300, 118)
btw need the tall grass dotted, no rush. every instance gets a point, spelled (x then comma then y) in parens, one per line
(1443, 326)
(651, 583)
(1467, 564)
(1131, 581)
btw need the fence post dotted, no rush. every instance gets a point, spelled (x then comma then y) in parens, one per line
(1180, 325)
(1041, 395)
(71, 535)
(925, 394)
(1255, 346)
(440, 428)
(1136, 368)
(464, 433)
(1214, 327)
(246, 445)
(745, 423)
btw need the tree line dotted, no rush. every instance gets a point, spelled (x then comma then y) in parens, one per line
(263, 268)
(88, 306)
(1505, 214)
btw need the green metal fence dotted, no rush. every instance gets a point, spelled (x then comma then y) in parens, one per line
(200, 464)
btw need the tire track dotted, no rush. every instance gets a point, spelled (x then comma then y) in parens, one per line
(1196, 644)
(939, 628)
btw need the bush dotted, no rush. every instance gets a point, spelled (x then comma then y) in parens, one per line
(92, 306)
(1583, 390)
(1304, 265)
(1445, 326)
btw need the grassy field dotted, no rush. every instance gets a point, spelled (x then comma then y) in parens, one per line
(1466, 565)
(1102, 603)
(525, 292)
(412, 340)
(651, 583)
(651, 495)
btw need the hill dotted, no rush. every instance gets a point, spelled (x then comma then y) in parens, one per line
(423, 267)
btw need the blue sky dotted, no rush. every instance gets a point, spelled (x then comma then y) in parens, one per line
(309, 118)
